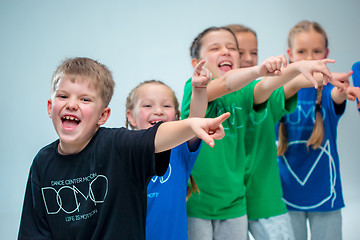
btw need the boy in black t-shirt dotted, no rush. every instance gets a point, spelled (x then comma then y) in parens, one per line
(91, 182)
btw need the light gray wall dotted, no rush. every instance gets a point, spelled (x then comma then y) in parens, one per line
(140, 40)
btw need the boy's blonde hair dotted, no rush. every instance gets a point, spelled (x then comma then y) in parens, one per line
(131, 99)
(98, 74)
(318, 132)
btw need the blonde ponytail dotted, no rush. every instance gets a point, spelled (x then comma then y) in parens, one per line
(318, 132)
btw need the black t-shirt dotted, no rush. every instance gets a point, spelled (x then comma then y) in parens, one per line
(99, 193)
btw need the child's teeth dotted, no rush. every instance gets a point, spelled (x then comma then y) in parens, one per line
(71, 118)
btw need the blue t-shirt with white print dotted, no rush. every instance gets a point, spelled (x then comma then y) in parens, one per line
(166, 197)
(311, 178)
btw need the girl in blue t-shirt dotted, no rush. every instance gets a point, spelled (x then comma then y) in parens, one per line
(308, 157)
(151, 102)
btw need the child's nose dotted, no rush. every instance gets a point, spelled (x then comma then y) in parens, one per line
(309, 57)
(72, 105)
(225, 51)
(246, 57)
(158, 110)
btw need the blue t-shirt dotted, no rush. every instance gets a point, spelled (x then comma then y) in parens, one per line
(166, 198)
(311, 178)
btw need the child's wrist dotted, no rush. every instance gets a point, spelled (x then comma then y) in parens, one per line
(204, 86)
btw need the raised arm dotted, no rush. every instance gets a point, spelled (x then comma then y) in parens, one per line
(172, 134)
(199, 99)
(267, 85)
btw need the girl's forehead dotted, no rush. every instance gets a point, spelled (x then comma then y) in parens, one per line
(155, 91)
(217, 37)
(309, 37)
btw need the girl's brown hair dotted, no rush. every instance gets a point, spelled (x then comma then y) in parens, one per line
(197, 43)
(318, 132)
(130, 103)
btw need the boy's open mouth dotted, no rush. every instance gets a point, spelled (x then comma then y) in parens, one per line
(70, 122)
(225, 66)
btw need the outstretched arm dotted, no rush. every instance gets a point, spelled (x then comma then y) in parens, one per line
(340, 80)
(236, 79)
(266, 86)
(172, 134)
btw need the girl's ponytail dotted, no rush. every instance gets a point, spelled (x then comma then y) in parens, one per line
(318, 132)
(193, 187)
(282, 139)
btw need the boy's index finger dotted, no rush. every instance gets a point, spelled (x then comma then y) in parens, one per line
(223, 117)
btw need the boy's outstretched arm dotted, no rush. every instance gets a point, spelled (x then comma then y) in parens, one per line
(172, 134)
(236, 79)
(266, 86)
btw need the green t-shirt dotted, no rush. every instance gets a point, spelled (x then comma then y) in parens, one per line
(262, 177)
(219, 171)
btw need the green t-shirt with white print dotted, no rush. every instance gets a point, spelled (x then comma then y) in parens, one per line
(262, 177)
(219, 171)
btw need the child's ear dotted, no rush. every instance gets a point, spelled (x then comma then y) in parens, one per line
(327, 53)
(194, 62)
(104, 116)
(290, 55)
(49, 106)
(130, 118)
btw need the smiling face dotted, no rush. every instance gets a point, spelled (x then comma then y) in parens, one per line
(220, 51)
(77, 111)
(154, 102)
(248, 49)
(308, 45)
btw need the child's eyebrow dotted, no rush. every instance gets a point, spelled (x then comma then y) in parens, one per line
(213, 44)
(231, 43)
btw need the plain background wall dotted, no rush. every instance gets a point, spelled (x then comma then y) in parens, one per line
(142, 40)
